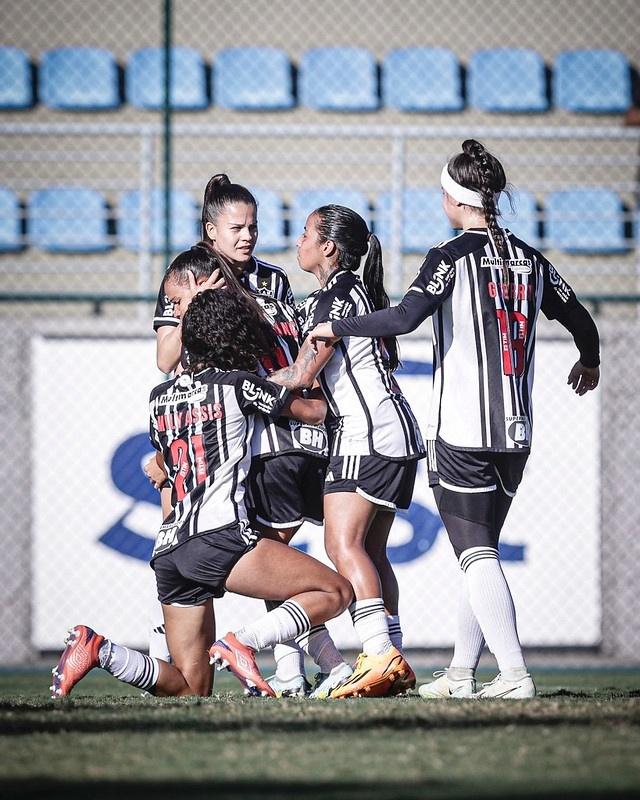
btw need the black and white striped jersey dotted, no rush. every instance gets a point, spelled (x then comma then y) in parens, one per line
(368, 414)
(260, 278)
(483, 334)
(283, 435)
(202, 424)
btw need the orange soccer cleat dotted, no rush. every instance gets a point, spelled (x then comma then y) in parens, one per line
(377, 676)
(229, 653)
(79, 657)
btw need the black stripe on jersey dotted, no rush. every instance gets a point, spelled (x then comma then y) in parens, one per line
(356, 388)
(481, 366)
(409, 442)
(438, 359)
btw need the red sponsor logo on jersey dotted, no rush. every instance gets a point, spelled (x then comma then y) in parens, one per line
(510, 291)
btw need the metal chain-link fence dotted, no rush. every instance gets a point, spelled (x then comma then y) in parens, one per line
(359, 103)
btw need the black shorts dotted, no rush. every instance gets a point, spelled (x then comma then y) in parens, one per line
(383, 482)
(473, 471)
(199, 568)
(285, 490)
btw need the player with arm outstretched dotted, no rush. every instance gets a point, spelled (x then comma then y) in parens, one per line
(484, 290)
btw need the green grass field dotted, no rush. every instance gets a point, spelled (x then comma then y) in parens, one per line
(579, 739)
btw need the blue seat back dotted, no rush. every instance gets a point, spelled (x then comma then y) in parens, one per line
(271, 236)
(145, 79)
(79, 78)
(508, 79)
(523, 220)
(10, 223)
(422, 79)
(592, 81)
(16, 89)
(68, 220)
(184, 220)
(253, 78)
(585, 221)
(423, 222)
(306, 201)
(339, 79)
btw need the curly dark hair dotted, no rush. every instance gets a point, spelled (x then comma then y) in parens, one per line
(221, 329)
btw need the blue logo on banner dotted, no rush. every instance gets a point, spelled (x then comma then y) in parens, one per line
(128, 477)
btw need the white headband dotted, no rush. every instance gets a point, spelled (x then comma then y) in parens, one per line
(460, 193)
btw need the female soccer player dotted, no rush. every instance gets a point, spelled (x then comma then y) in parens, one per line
(484, 289)
(202, 422)
(284, 486)
(374, 439)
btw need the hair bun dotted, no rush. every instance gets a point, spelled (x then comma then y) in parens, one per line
(219, 180)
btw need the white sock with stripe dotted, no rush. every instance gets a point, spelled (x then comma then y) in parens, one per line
(395, 630)
(370, 621)
(129, 666)
(317, 642)
(469, 639)
(288, 656)
(492, 605)
(283, 623)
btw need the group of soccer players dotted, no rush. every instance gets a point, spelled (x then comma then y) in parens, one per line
(244, 457)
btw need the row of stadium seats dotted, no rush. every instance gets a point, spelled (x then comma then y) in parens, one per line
(80, 220)
(328, 78)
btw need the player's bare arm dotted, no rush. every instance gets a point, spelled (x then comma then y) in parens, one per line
(309, 363)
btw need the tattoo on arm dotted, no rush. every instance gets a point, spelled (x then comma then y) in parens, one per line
(299, 375)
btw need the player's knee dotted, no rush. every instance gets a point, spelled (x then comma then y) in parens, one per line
(342, 594)
(338, 552)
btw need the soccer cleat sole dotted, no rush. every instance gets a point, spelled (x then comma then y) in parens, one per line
(58, 672)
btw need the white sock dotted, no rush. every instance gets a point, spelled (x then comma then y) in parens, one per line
(157, 639)
(317, 642)
(370, 621)
(129, 666)
(287, 656)
(492, 604)
(283, 623)
(469, 640)
(395, 630)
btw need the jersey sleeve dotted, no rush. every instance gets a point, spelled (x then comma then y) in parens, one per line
(286, 292)
(556, 294)
(257, 395)
(431, 287)
(164, 314)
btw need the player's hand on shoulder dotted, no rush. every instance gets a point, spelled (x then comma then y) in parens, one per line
(583, 379)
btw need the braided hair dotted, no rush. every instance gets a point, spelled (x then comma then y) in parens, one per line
(350, 234)
(475, 168)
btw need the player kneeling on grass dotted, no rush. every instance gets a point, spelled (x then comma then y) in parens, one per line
(202, 423)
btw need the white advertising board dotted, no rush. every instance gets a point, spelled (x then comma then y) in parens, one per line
(95, 515)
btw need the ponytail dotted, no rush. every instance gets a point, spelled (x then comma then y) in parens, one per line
(373, 279)
(220, 192)
(475, 168)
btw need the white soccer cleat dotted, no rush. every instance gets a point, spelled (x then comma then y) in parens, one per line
(298, 686)
(502, 689)
(324, 682)
(445, 687)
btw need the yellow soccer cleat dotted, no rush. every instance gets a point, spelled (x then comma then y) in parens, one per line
(375, 675)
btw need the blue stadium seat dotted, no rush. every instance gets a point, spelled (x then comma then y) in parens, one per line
(16, 90)
(422, 79)
(79, 78)
(145, 79)
(506, 79)
(593, 81)
(10, 224)
(423, 220)
(339, 79)
(585, 221)
(184, 221)
(271, 236)
(307, 201)
(253, 79)
(523, 220)
(68, 220)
